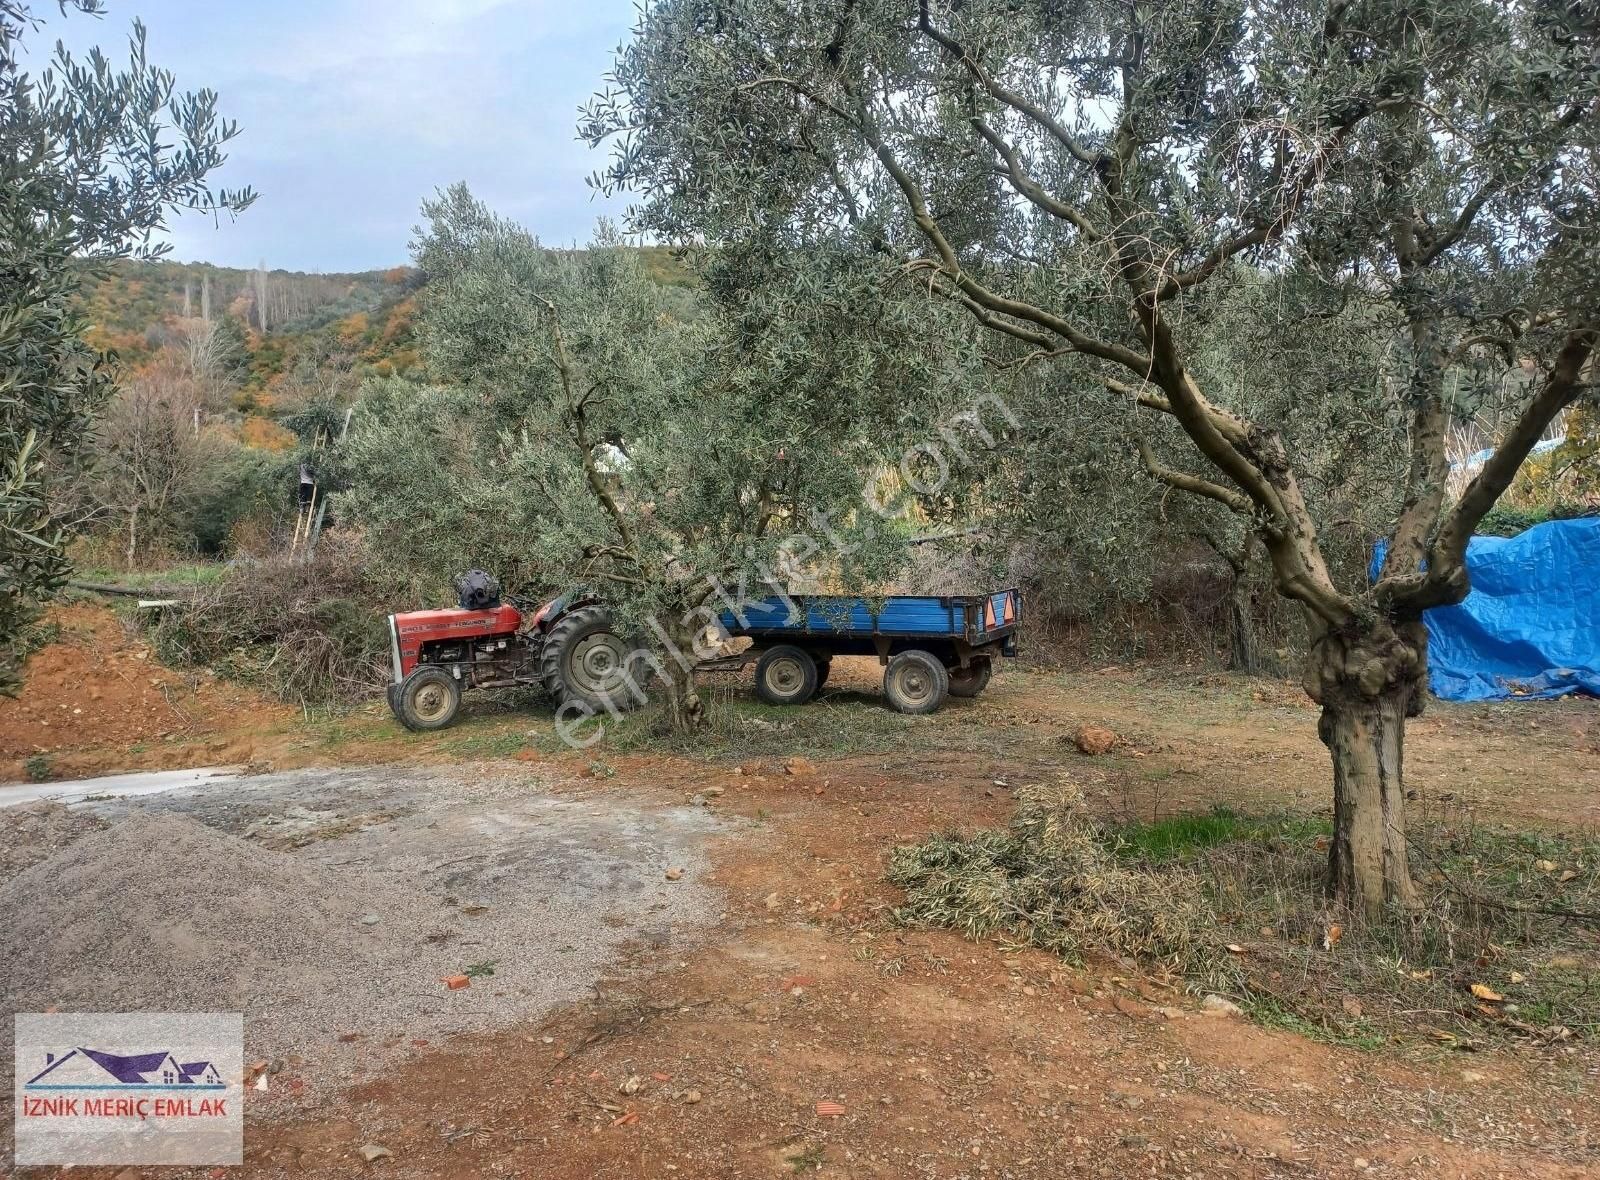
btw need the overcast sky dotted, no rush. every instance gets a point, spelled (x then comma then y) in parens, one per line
(354, 110)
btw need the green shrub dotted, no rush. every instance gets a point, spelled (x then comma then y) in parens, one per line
(1505, 521)
(240, 484)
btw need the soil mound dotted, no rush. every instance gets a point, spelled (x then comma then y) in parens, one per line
(159, 912)
(36, 831)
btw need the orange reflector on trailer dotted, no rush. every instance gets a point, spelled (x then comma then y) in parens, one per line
(1011, 614)
(988, 615)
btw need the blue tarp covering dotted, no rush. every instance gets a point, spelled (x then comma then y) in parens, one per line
(1531, 626)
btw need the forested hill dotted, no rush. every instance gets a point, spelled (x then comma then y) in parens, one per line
(282, 335)
(228, 380)
(274, 337)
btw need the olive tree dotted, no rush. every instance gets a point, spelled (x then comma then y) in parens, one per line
(1075, 175)
(1069, 497)
(673, 452)
(92, 158)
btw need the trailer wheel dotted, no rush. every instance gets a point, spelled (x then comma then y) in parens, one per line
(823, 668)
(427, 699)
(915, 682)
(786, 675)
(583, 659)
(971, 680)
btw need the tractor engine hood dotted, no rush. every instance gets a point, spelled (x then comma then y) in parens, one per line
(409, 630)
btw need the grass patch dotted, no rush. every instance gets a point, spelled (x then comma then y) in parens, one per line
(1181, 837)
(185, 576)
(1234, 904)
(489, 744)
(1352, 1033)
(738, 725)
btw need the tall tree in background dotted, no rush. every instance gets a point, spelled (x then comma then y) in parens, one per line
(91, 159)
(1074, 175)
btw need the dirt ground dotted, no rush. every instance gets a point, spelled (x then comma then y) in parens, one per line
(934, 1056)
(97, 699)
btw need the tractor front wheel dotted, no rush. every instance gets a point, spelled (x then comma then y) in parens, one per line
(427, 699)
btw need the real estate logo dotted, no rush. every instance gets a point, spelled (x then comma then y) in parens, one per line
(129, 1088)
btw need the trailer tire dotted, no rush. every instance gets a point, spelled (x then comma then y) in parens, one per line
(426, 700)
(583, 659)
(971, 680)
(823, 668)
(915, 682)
(786, 675)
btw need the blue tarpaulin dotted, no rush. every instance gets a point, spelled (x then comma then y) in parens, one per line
(1531, 626)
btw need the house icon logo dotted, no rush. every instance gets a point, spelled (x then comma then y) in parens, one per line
(128, 1088)
(91, 1069)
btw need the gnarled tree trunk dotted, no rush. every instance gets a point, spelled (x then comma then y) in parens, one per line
(1368, 683)
(685, 710)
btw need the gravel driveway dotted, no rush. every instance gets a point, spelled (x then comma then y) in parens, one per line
(417, 872)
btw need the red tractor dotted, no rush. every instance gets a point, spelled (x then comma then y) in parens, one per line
(566, 646)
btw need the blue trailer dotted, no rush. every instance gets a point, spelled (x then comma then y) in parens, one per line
(930, 646)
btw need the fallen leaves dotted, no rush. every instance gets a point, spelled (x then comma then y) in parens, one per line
(1484, 992)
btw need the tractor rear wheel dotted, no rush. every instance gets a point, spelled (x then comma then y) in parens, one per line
(427, 699)
(915, 682)
(583, 659)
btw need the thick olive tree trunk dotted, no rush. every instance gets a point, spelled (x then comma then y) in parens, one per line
(685, 710)
(1368, 683)
(1367, 862)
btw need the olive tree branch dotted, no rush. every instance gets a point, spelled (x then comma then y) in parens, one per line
(1185, 482)
(1000, 93)
(575, 412)
(1445, 579)
(1027, 186)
